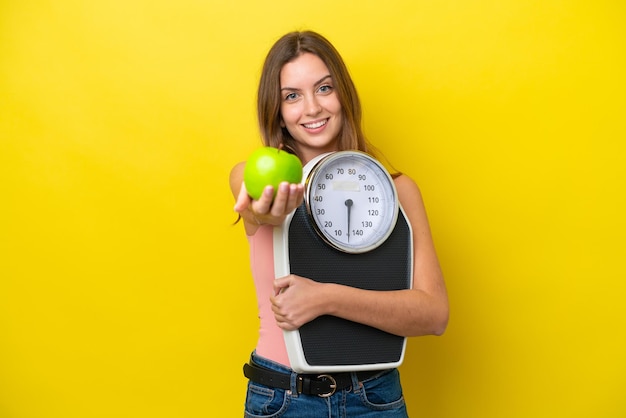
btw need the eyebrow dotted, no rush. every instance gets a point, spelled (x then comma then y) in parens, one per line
(320, 81)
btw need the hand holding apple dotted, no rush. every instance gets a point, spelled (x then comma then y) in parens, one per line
(268, 166)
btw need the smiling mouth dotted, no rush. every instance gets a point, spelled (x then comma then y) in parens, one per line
(315, 125)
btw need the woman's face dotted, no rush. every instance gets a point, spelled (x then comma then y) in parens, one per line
(310, 108)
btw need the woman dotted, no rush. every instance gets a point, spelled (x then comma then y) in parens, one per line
(308, 104)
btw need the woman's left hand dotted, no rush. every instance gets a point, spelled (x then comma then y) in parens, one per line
(295, 301)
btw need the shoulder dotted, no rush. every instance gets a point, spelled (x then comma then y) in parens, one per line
(236, 177)
(237, 170)
(410, 198)
(407, 188)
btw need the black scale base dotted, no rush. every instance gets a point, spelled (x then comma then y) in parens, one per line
(332, 341)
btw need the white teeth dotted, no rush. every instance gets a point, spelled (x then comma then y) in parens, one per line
(315, 125)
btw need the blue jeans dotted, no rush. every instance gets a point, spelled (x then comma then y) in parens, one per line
(378, 396)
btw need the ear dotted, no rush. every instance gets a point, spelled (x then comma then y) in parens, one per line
(282, 123)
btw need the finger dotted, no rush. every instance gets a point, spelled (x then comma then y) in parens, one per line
(280, 285)
(243, 199)
(285, 326)
(282, 319)
(262, 206)
(296, 194)
(279, 315)
(280, 201)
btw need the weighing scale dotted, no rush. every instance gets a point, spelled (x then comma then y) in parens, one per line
(350, 230)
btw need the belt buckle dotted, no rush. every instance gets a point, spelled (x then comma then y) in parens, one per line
(333, 385)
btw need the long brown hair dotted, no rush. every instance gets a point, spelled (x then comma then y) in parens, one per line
(285, 50)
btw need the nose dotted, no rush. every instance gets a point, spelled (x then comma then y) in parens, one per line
(313, 106)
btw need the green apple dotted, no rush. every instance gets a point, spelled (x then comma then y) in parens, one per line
(270, 166)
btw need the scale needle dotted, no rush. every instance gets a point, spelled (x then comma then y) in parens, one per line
(349, 206)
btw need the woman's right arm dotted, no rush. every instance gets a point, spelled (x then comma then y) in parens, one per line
(266, 210)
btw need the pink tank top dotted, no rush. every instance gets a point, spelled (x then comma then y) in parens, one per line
(271, 343)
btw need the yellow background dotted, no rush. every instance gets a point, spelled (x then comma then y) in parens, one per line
(124, 288)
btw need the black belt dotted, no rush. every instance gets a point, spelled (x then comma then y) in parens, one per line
(322, 385)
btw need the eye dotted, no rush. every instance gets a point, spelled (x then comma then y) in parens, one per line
(326, 88)
(291, 97)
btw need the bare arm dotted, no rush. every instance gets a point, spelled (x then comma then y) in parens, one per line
(421, 310)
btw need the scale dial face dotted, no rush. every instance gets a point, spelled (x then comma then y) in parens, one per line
(352, 200)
